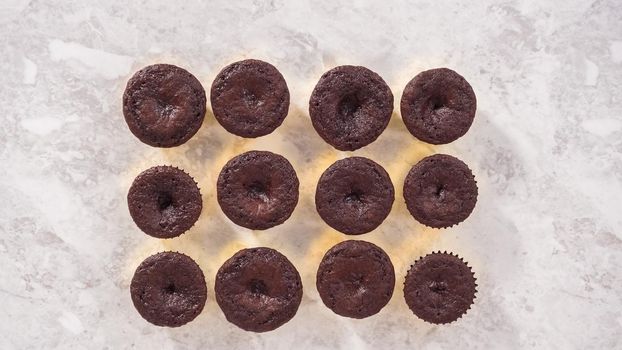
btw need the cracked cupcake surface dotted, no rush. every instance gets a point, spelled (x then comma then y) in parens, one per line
(257, 189)
(258, 289)
(164, 201)
(164, 105)
(440, 288)
(168, 289)
(355, 279)
(440, 191)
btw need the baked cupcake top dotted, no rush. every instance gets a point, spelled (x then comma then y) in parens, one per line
(438, 106)
(354, 195)
(350, 107)
(257, 189)
(355, 279)
(440, 191)
(258, 289)
(164, 201)
(164, 105)
(250, 98)
(168, 289)
(440, 288)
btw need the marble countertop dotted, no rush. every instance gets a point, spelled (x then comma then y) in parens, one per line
(545, 147)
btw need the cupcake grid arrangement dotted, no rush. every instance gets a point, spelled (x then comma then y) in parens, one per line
(259, 289)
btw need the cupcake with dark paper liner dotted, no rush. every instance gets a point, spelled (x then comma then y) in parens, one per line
(164, 201)
(440, 287)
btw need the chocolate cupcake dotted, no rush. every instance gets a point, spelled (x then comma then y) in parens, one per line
(440, 191)
(258, 289)
(164, 201)
(440, 288)
(354, 195)
(168, 289)
(257, 189)
(250, 98)
(355, 279)
(164, 105)
(438, 106)
(350, 107)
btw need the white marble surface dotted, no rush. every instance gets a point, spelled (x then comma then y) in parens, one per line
(545, 147)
